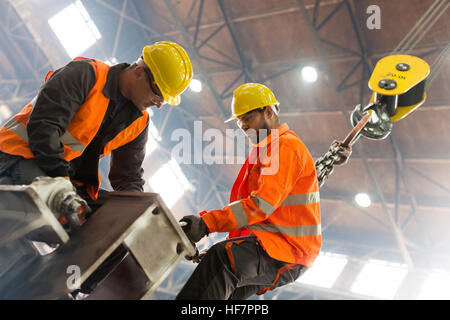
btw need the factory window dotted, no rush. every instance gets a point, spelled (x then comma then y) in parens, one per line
(326, 269)
(436, 286)
(380, 279)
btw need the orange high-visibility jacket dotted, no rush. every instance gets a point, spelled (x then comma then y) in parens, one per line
(279, 206)
(82, 128)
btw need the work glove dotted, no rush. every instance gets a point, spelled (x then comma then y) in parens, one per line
(344, 153)
(194, 228)
(197, 258)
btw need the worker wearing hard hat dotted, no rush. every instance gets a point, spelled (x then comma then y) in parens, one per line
(273, 219)
(88, 109)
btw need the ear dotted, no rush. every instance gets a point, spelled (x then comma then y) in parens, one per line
(138, 72)
(268, 112)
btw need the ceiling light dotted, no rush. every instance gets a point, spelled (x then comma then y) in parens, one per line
(195, 85)
(363, 200)
(309, 74)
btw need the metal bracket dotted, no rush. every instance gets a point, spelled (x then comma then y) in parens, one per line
(139, 221)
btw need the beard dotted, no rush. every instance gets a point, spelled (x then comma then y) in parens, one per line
(256, 136)
(252, 136)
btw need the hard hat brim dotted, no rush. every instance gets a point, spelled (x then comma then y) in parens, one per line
(257, 107)
(173, 101)
(230, 119)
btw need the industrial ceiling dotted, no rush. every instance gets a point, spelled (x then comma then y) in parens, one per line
(269, 41)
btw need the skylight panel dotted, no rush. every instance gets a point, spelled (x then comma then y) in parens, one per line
(75, 29)
(326, 269)
(436, 286)
(380, 279)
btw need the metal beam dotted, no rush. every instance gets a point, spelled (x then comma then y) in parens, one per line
(300, 113)
(262, 15)
(276, 65)
(222, 95)
(350, 202)
(23, 57)
(348, 199)
(196, 56)
(327, 18)
(331, 43)
(316, 12)
(426, 177)
(361, 42)
(210, 36)
(229, 25)
(119, 29)
(30, 13)
(199, 17)
(126, 17)
(348, 75)
(192, 49)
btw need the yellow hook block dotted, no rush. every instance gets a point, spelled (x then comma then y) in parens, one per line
(399, 80)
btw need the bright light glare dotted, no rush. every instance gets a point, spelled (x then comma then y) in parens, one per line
(170, 182)
(379, 279)
(195, 85)
(75, 29)
(363, 200)
(373, 117)
(326, 269)
(153, 138)
(153, 130)
(436, 287)
(151, 146)
(5, 112)
(111, 61)
(309, 74)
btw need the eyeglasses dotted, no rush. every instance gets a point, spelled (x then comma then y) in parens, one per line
(246, 118)
(152, 83)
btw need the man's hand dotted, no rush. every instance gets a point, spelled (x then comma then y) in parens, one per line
(343, 154)
(197, 258)
(195, 228)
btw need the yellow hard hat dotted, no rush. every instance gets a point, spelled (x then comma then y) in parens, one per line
(251, 96)
(171, 68)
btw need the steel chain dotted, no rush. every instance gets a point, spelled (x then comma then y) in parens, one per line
(325, 164)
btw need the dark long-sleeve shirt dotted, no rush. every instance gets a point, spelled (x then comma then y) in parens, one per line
(58, 100)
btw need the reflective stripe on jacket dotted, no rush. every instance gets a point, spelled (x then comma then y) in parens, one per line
(280, 207)
(82, 129)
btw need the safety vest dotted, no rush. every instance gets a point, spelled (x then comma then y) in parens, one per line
(81, 130)
(281, 209)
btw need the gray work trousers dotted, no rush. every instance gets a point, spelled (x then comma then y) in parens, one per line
(236, 269)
